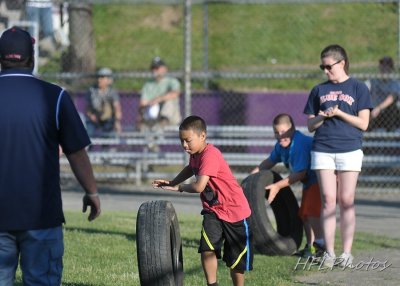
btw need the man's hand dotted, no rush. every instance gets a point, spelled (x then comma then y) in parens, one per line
(273, 191)
(93, 201)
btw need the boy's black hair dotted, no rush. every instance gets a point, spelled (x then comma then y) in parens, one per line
(195, 123)
(284, 118)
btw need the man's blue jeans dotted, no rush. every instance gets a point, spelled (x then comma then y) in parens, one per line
(40, 253)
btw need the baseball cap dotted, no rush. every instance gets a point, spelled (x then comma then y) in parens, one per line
(104, 72)
(157, 62)
(16, 45)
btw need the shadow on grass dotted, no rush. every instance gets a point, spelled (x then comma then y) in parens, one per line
(190, 243)
(63, 283)
(76, 284)
(187, 243)
(128, 236)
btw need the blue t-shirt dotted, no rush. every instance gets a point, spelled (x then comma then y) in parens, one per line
(296, 157)
(381, 88)
(36, 118)
(336, 135)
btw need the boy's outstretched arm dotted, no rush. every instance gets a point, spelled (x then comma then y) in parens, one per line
(277, 186)
(195, 187)
(267, 164)
(183, 175)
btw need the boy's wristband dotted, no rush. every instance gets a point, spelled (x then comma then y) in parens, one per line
(180, 189)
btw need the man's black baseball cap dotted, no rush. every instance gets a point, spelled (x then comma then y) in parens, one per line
(16, 45)
(157, 62)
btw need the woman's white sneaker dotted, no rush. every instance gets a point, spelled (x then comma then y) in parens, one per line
(328, 260)
(345, 260)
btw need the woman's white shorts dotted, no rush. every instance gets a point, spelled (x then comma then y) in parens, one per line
(349, 161)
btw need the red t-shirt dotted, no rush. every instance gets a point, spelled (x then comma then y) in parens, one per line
(222, 195)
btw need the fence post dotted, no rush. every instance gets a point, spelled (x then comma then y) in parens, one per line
(205, 43)
(398, 32)
(187, 56)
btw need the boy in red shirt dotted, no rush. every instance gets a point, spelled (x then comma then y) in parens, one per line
(225, 207)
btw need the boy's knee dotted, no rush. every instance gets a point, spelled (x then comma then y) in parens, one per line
(237, 272)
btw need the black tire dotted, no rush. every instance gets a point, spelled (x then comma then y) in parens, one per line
(289, 234)
(159, 245)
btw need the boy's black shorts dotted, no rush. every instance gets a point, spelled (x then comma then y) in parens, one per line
(236, 238)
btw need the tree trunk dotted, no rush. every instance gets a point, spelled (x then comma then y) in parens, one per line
(82, 50)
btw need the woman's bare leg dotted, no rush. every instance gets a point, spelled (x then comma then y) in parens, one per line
(347, 183)
(328, 185)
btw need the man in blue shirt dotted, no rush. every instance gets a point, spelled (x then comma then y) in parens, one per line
(36, 118)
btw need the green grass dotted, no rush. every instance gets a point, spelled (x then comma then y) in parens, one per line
(103, 252)
(244, 38)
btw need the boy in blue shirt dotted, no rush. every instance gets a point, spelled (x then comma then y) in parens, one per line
(293, 150)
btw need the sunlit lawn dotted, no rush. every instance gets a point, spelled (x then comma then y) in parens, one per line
(103, 252)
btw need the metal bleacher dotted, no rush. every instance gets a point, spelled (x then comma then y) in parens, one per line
(129, 157)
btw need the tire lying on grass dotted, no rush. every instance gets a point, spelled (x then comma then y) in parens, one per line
(159, 245)
(287, 239)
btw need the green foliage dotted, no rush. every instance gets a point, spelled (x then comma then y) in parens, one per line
(254, 38)
(128, 36)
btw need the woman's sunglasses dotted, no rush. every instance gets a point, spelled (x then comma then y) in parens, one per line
(328, 67)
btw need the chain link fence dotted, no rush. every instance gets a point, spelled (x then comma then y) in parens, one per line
(239, 63)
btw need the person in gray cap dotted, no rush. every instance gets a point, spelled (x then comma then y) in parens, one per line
(103, 110)
(159, 100)
(36, 118)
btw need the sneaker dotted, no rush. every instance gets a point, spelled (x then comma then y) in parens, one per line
(345, 260)
(328, 260)
(308, 251)
(319, 249)
(300, 252)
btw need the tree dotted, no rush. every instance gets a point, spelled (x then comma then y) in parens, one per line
(81, 56)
